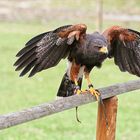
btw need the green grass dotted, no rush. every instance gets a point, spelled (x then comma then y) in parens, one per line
(18, 93)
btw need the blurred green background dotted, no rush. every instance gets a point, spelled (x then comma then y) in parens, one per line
(21, 20)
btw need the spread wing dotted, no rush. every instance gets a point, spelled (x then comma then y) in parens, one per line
(124, 46)
(47, 49)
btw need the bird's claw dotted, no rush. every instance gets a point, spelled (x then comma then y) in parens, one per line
(95, 93)
(79, 91)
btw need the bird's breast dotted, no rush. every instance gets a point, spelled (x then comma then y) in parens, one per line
(86, 58)
(86, 55)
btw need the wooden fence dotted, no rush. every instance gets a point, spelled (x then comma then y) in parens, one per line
(109, 98)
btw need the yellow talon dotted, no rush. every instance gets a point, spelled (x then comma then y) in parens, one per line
(94, 92)
(83, 91)
(78, 91)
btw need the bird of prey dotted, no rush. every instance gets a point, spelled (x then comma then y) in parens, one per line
(83, 51)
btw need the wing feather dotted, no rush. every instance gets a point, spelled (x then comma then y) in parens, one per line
(27, 68)
(126, 49)
(47, 49)
(31, 44)
(26, 62)
(24, 57)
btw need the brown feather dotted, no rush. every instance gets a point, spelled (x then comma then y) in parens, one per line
(27, 68)
(26, 62)
(47, 49)
(24, 57)
(124, 46)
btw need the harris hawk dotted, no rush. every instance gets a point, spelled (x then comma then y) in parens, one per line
(84, 51)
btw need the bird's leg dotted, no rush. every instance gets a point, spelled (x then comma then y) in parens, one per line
(90, 85)
(77, 88)
(74, 70)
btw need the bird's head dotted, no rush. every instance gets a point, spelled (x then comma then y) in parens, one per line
(98, 43)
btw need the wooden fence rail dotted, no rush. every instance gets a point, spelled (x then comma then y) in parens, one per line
(55, 106)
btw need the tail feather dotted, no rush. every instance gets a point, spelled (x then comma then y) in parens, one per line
(67, 86)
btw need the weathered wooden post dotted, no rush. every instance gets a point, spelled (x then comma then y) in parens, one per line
(103, 132)
(99, 14)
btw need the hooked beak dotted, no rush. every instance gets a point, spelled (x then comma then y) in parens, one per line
(103, 50)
